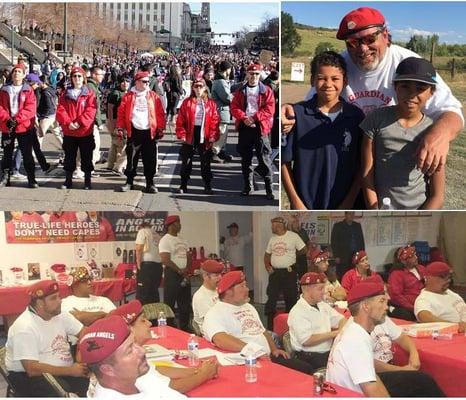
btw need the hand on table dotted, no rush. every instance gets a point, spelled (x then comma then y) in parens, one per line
(209, 368)
(279, 352)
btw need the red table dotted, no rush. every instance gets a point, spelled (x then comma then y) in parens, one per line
(274, 380)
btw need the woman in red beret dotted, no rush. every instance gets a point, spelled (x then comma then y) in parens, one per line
(197, 126)
(76, 111)
(360, 272)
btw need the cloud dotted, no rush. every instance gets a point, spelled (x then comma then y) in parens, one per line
(408, 32)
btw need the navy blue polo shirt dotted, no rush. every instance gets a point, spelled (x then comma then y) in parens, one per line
(325, 154)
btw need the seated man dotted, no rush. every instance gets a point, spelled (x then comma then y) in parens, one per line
(179, 379)
(437, 303)
(206, 296)
(85, 307)
(232, 323)
(351, 360)
(109, 349)
(37, 344)
(313, 323)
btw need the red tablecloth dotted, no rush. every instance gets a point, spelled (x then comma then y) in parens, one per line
(273, 380)
(14, 300)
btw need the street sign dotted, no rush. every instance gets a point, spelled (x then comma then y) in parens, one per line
(64, 54)
(297, 71)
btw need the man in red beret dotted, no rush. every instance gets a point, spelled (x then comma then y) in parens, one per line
(280, 263)
(142, 117)
(37, 343)
(313, 323)
(371, 60)
(176, 258)
(18, 106)
(436, 302)
(206, 296)
(253, 107)
(405, 282)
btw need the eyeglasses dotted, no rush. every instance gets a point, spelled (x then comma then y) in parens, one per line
(76, 76)
(144, 81)
(366, 40)
(198, 86)
(255, 73)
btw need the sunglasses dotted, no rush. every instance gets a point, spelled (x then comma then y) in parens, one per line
(144, 81)
(76, 76)
(255, 73)
(366, 40)
(198, 86)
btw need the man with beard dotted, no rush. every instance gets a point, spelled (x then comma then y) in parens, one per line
(37, 344)
(372, 59)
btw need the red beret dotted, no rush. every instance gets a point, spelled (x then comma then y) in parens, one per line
(42, 289)
(129, 311)
(406, 252)
(58, 268)
(229, 280)
(80, 274)
(199, 79)
(141, 75)
(212, 266)
(311, 278)
(20, 66)
(170, 219)
(358, 256)
(439, 269)
(255, 67)
(364, 290)
(318, 255)
(358, 20)
(77, 70)
(102, 338)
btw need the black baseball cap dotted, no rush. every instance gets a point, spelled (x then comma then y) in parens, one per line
(233, 225)
(415, 69)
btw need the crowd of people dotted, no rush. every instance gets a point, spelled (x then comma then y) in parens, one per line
(137, 99)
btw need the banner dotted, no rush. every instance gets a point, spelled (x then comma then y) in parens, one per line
(81, 226)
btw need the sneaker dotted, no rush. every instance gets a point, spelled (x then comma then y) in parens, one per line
(78, 174)
(16, 176)
(33, 185)
(95, 174)
(182, 189)
(150, 189)
(117, 173)
(127, 187)
(217, 159)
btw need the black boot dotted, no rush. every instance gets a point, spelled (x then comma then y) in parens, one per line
(150, 187)
(248, 185)
(208, 188)
(68, 181)
(32, 183)
(5, 181)
(268, 190)
(87, 181)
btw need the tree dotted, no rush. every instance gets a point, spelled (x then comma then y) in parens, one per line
(290, 37)
(324, 46)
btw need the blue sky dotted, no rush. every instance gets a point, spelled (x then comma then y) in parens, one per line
(231, 17)
(446, 19)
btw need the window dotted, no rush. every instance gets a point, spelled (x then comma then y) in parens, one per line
(126, 6)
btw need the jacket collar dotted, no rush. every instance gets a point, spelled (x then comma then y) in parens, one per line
(8, 88)
(262, 88)
(69, 92)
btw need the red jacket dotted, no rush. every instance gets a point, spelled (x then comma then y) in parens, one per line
(82, 110)
(266, 108)
(26, 109)
(352, 277)
(404, 287)
(156, 113)
(186, 118)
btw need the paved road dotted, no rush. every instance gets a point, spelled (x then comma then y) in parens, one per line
(105, 195)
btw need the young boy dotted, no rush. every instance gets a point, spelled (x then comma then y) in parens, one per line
(391, 137)
(325, 143)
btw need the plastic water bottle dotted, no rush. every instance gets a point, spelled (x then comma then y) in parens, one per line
(386, 204)
(162, 324)
(193, 351)
(251, 369)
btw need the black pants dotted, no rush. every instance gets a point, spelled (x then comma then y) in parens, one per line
(250, 139)
(402, 313)
(38, 386)
(187, 153)
(85, 145)
(301, 265)
(141, 144)
(280, 281)
(44, 165)
(410, 384)
(181, 295)
(149, 277)
(315, 360)
(293, 363)
(172, 101)
(25, 141)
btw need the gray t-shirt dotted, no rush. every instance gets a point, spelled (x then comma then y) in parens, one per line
(395, 173)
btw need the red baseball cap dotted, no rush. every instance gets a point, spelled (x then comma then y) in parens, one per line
(170, 219)
(129, 311)
(20, 66)
(358, 20)
(318, 255)
(212, 266)
(358, 256)
(364, 290)
(439, 269)
(229, 280)
(77, 70)
(311, 278)
(58, 268)
(406, 252)
(141, 75)
(42, 289)
(102, 338)
(254, 67)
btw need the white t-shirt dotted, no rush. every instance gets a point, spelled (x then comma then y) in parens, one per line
(252, 94)
(32, 338)
(203, 301)
(283, 249)
(305, 320)
(242, 322)
(374, 89)
(14, 99)
(150, 240)
(140, 115)
(235, 249)
(351, 359)
(177, 249)
(383, 336)
(90, 304)
(448, 306)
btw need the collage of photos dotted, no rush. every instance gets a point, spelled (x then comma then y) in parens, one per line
(231, 199)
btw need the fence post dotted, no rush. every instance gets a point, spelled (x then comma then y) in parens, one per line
(453, 68)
